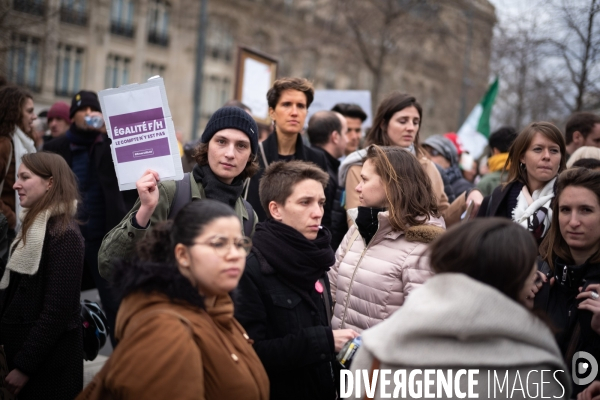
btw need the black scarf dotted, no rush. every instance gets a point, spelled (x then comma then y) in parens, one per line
(367, 222)
(217, 190)
(81, 137)
(298, 261)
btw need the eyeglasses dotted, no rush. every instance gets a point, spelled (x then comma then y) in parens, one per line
(222, 245)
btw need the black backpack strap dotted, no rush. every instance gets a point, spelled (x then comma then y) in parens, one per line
(248, 223)
(183, 195)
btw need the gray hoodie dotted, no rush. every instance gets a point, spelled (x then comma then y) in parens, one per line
(455, 322)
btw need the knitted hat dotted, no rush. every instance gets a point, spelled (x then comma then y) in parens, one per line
(84, 99)
(444, 146)
(59, 110)
(232, 118)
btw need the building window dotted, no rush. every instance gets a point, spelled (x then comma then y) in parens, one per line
(117, 71)
(35, 7)
(220, 40)
(24, 62)
(158, 17)
(151, 69)
(121, 18)
(216, 91)
(74, 12)
(69, 69)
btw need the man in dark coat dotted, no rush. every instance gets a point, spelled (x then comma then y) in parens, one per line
(288, 99)
(327, 134)
(87, 151)
(283, 298)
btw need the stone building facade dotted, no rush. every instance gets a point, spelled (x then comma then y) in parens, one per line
(57, 47)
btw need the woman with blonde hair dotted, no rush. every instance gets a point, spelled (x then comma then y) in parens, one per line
(377, 265)
(535, 159)
(40, 322)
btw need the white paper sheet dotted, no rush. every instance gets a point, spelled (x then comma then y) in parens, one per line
(138, 120)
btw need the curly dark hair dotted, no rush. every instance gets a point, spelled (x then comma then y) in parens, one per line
(12, 100)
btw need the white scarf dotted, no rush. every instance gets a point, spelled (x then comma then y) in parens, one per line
(25, 258)
(22, 144)
(534, 210)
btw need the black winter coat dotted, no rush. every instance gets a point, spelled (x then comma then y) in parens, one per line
(40, 322)
(573, 326)
(117, 203)
(501, 202)
(303, 153)
(448, 189)
(294, 342)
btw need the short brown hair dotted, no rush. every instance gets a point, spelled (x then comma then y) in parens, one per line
(201, 157)
(389, 106)
(582, 122)
(521, 144)
(279, 179)
(300, 84)
(407, 186)
(554, 245)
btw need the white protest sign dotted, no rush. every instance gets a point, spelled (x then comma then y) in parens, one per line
(138, 120)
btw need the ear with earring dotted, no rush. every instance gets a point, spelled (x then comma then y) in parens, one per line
(522, 165)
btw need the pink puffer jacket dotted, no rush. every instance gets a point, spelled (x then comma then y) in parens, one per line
(369, 284)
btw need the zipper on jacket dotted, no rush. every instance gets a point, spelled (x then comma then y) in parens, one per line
(352, 281)
(564, 277)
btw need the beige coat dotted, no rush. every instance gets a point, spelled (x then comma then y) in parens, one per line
(369, 283)
(454, 322)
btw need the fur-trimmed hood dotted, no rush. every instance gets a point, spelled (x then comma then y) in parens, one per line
(426, 233)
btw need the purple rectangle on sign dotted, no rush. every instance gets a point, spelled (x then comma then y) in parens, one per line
(141, 151)
(130, 124)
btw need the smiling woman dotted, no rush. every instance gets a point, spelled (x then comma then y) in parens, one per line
(536, 157)
(225, 158)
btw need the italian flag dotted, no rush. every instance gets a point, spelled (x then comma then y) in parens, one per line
(475, 131)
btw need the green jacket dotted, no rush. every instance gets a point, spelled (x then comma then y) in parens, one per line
(490, 181)
(120, 242)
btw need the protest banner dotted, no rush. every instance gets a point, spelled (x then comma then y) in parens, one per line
(138, 120)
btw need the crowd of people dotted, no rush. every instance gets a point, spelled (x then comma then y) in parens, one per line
(247, 278)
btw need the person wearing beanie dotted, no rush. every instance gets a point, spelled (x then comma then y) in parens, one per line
(225, 159)
(499, 143)
(87, 151)
(288, 99)
(443, 152)
(59, 119)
